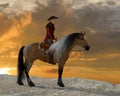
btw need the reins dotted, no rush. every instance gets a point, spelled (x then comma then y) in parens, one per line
(78, 50)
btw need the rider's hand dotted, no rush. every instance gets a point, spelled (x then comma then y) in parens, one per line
(55, 39)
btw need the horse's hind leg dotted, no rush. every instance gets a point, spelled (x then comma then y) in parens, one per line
(28, 67)
(19, 81)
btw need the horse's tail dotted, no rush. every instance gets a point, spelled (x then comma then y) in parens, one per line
(20, 66)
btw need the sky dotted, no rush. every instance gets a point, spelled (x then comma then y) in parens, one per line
(23, 22)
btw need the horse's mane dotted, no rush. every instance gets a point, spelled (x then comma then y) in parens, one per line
(70, 39)
(64, 43)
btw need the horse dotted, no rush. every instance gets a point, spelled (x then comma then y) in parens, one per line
(60, 51)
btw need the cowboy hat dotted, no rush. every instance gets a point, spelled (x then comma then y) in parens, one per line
(52, 17)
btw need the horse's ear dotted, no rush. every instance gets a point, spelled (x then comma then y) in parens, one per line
(84, 33)
(81, 32)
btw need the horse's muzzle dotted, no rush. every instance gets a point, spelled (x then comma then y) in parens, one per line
(87, 48)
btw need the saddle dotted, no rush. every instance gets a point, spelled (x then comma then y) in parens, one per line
(44, 46)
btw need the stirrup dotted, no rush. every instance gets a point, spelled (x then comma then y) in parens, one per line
(39, 46)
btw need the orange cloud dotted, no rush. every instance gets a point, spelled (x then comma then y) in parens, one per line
(1, 14)
(110, 55)
(75, 56)
(17, 26)
(14, 54)
(7, 45)
(88, 59)
(26, 19)
(7, 40)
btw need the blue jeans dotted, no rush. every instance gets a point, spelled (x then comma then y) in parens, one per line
(48, 41)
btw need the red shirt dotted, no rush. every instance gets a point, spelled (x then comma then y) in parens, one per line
(50, 31)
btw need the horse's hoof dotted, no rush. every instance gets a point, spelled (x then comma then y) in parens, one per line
(61, 84)
(20, 83)
(31, 84)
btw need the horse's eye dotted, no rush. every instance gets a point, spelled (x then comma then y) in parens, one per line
(82, 38)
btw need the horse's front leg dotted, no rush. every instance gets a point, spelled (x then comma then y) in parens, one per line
(60, 71)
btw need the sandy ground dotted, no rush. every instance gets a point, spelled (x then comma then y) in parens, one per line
(48, 87)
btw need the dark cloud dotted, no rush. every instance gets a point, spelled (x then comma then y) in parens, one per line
(111, 3)
(2, 6)
(56, 8)
(96, 16)
(101, 19)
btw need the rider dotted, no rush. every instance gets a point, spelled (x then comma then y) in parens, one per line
(50, 38)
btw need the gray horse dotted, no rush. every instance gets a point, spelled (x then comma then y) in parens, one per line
(60, 51)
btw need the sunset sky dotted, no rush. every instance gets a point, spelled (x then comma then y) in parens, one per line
(23, 22)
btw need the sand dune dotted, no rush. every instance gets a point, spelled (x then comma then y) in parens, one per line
(48, 87)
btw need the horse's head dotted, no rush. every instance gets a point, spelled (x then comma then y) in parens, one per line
(81, 41)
